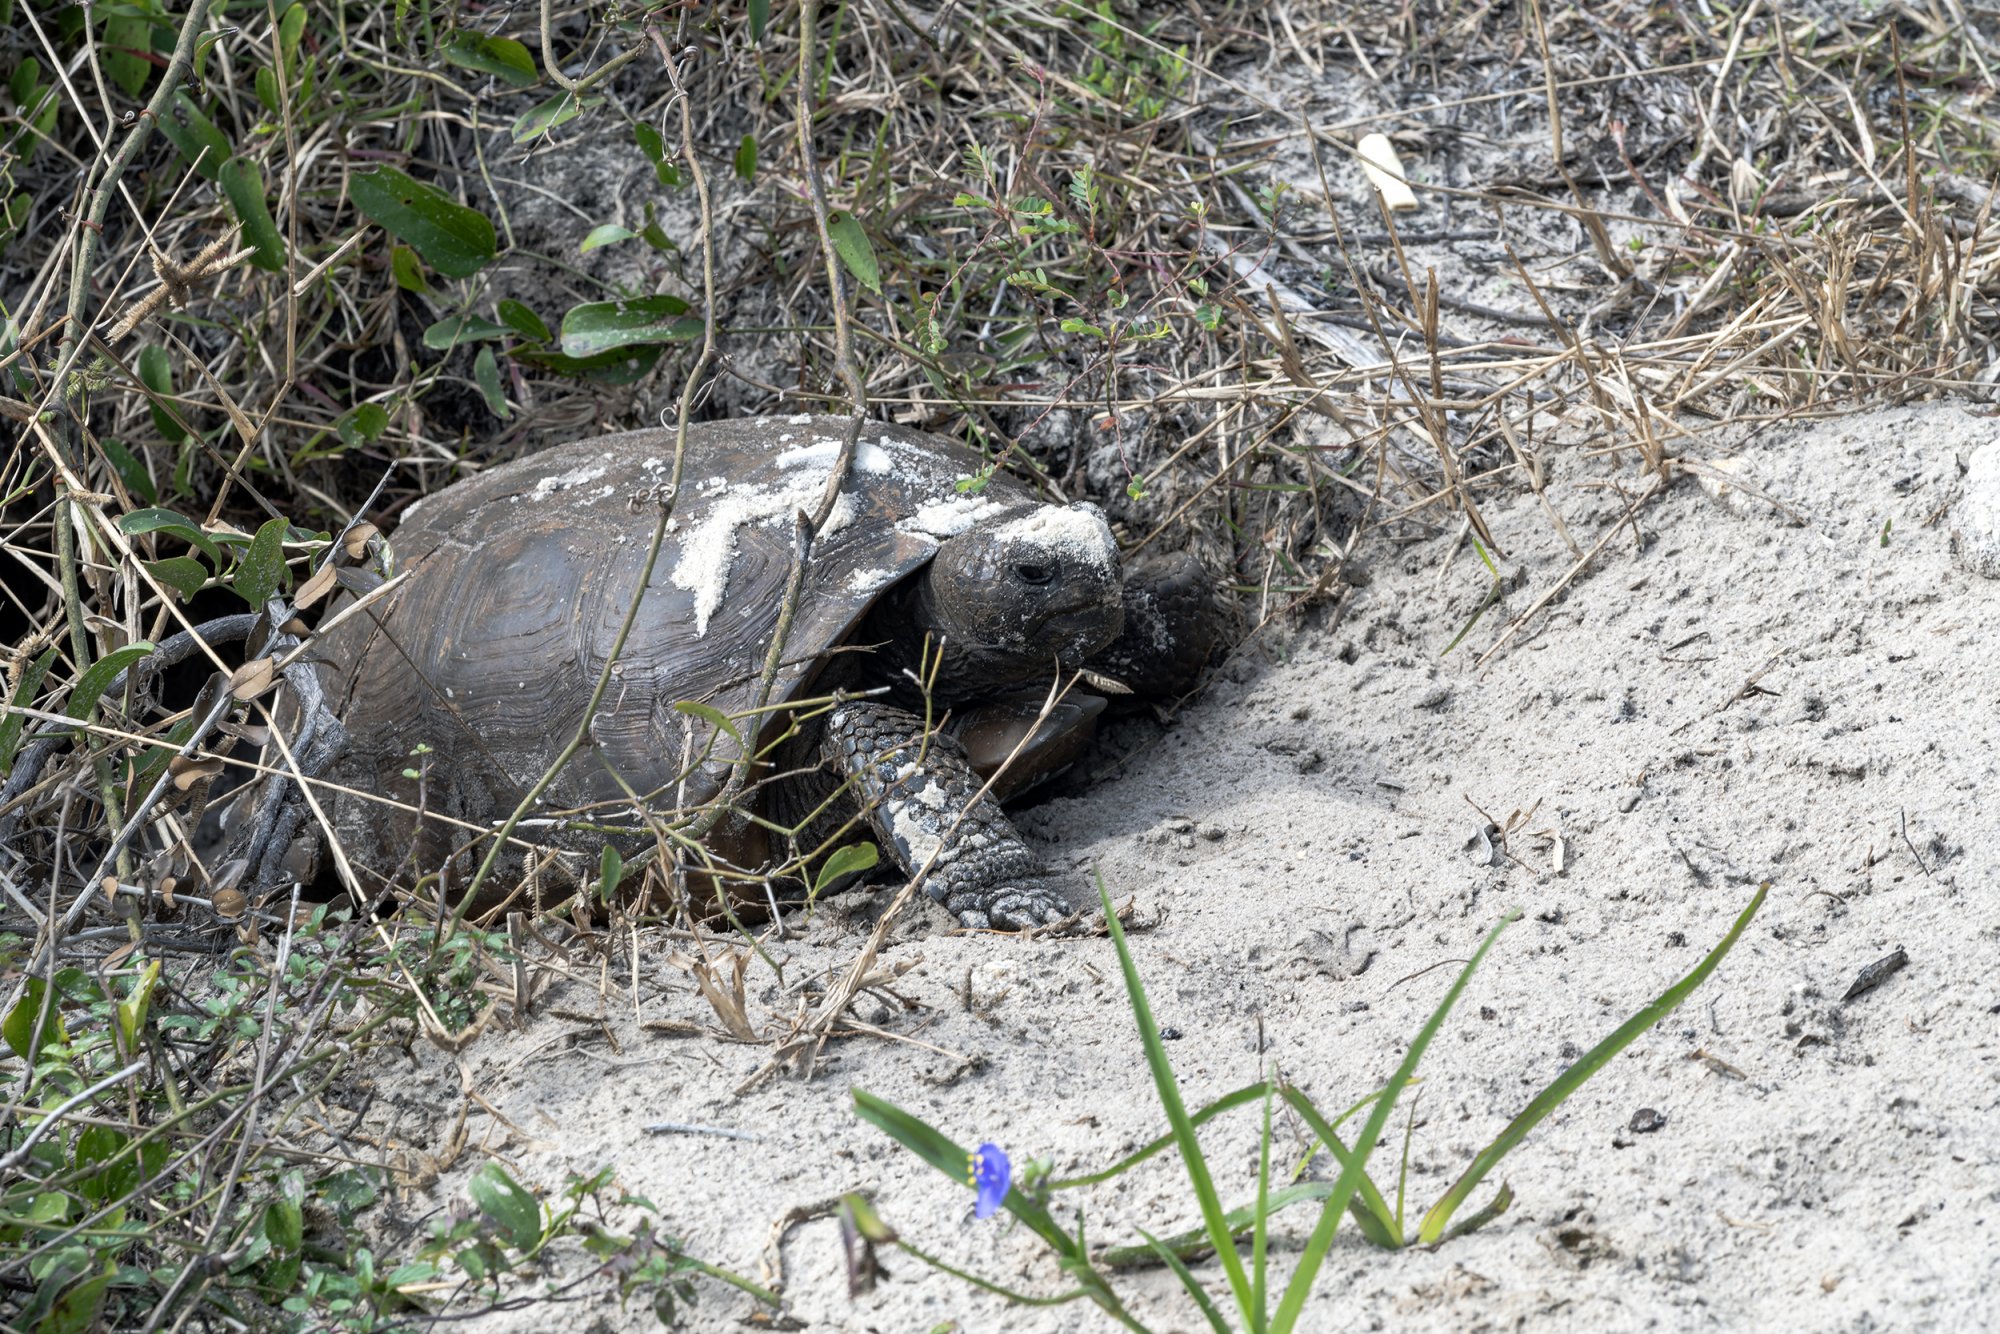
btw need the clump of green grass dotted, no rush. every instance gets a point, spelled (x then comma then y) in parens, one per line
(1353, 1192)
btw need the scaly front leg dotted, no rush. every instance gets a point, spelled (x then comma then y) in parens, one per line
(914, 791)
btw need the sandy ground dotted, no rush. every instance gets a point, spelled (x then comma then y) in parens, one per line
(1729, 694)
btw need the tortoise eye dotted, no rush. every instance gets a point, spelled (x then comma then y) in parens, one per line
(1034, 572)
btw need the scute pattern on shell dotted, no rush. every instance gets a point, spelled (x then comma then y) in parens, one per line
(518, 579)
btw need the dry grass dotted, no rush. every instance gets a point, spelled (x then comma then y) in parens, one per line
(1127, 251)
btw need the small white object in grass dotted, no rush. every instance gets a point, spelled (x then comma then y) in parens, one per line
(1731, 496)
(1385, 172)
(1975, 529)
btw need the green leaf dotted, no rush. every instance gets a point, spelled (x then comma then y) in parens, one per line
(618, 366)
(602, 326)
(263, 570)
(455, 240)
(711, 715)
(547, 114)
(746, 158)
(14, 215)
(654, 146)
(184, 574)
(195, 135)
(97, 677)
(1074, 325)
(850, 860)
(125, 38)
(291, 28)
(24, 695)
(174, 525)
(857, 253)
(525, 322)
(362, 424)
(132, 1009)
(266, 84)
(610, 871)
(509, 1206)
(486, 374)
(76, 1311)
(156, 372)
(244, 185)
(604, 234)
(500, 56)
(19, 1026)
(760, 18)
(131, 471)
(407, 270)
(1559, 1089)
(448, 334)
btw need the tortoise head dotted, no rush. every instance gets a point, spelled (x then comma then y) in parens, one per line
(1007, 598)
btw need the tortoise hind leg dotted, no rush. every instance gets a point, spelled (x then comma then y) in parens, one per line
(914, 790)
(1172, 624)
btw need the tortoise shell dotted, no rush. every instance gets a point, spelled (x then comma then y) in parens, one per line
(516, 582)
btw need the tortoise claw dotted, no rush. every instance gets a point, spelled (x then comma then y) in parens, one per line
(1013, 907)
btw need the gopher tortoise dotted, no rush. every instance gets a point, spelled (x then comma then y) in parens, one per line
(459, 690)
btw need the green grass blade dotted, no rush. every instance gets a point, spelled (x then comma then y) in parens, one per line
(1571, 1079)
(1371, 1211)
(1194, 1243)
(1177, 1116)
(1497, 1206)
(1260, 1309)
(1194, 1289)
(1352, 1171)
(1247, 1094)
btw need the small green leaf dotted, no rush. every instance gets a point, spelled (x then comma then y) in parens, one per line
(448, 334)
(610, 871)
(760, 18)
(266, 84)
(455, 240)
(156, 372)
(601, 326)
(244, 185)
(746, 158)
(624, 365)
(263, 568)
(362, 424)
(291, 28)
(407, 270)
(174, 525)
(184, 574)
(850, 860)
(711, 715)
(125, 39)
(19, 1026)
(24, 695)
(547, 114)
(654, 146)
(525, 322)
(486, 374)
(97, 678)
(76, 1311)
(131, 471)
(132, 1009)
(195, 135)
(500, 56)
(1075, 325)
(510, 1207)
(14, 215)
(609, 233)
(857, 253)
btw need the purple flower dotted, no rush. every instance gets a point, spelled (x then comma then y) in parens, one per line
(988, 1172)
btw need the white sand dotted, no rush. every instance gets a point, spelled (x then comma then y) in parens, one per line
(1722, 698)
